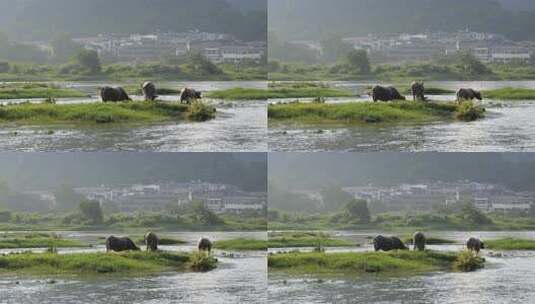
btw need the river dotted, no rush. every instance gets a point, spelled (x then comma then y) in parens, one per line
(238, 126)
(240, 278)
(507, 279)
(508, 127)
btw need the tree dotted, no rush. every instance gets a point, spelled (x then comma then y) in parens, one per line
(334, 198)
(92, 211)
(470, 65)
(202, 66)
(89, 60)
(334, 48)
(358, 61)
(64, 48)
(358, 209)
(474, 216)
(204, 216)
(66, 197)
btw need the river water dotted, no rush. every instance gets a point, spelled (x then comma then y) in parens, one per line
(241, 277)
(506, 279)
(509, 126)
(239, 126)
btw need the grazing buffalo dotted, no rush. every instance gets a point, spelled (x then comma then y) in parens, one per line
(120, 244)
(113, 94)
(386, 94)
(468, 94)
(388, 243)
(418, 240)
(151, 240)
(474, 244)
(149, 91)
(187, 95)
(418, 91)
(204, 244)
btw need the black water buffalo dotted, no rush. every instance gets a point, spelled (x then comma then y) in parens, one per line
(475, 244)
(204, 244)
(187, 95)
(418, 91)
(468, 94)
(149, 91)
(386, 94)
(113, 94)
(151, 240)
(388, 243)
(120, 244)
(418, 240)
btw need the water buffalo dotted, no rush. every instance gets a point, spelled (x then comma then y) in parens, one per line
(113, 94)
(187, 95)
(388, 243)
(120, 244)
(468, 94)
(386, 94)
(149, 91)
(204, 244)
(418, 91)
(151, 240)
(475, 244)
(418, 240)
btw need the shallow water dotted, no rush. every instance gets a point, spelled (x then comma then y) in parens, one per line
(508, 279)
(239, 126)
(242, 278)
(509, 126)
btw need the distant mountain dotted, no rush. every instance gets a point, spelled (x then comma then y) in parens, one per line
(38, 19)
(317, 19)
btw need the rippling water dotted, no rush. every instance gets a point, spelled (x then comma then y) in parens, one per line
(509, 126)
(242, 278)
(504, 280)
(239, 126)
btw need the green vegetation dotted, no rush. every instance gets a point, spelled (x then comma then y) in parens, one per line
(239, 94)
(402, 262)
(430, 241)
(510, 94)
(368, 112)
(468, 261)
(36, 90)
(510, 244)
(305, 239)
(281, 90)
(100, 113)
(10, 241)
(429, 91)
(241, 244)
(133, 263)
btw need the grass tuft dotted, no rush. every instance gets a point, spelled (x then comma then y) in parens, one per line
(468, 261)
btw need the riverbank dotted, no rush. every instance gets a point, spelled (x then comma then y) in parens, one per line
(510, 94)
(402, 262)
(278, 91)
(241, 244)
(126, 263)
(373, 113)
(104, 113)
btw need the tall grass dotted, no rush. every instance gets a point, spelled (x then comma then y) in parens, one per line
(36, 90)
(510, 94)
(241, 244)
(510, 244)
(300, 239)
(468, 261)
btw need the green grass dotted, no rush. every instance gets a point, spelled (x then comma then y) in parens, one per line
(430, 91)
(241, 244)
(36, 90)
(306, 239)
(430, 241)
(468, 261)
(127, 112)
(510, 244)
(239, 94)
(104, 263)
(38, 241)
(402, 262)
(510, 94)
(369, 112)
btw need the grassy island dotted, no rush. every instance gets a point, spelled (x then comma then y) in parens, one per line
(510, 244)
(36, 90)
(121, 112)
(510, 94)
(131, 263)
(241, 244)
(369, 112)
(305, 239)
(38, 240)
(358, 263)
